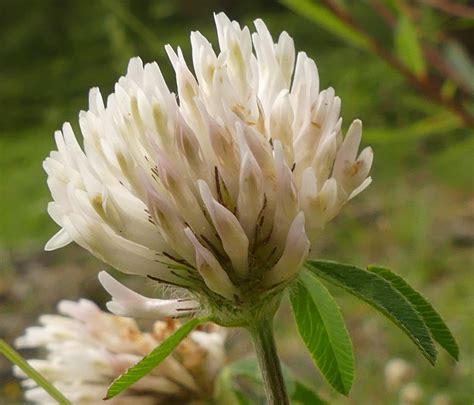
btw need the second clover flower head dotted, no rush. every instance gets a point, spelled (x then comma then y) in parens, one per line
(220, 189)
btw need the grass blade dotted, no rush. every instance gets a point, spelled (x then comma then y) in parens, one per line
(18, 360)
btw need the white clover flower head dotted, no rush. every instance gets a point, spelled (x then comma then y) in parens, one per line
(220, 189)
(86, 349)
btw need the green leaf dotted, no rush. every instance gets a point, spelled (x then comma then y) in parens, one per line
(440, 122)
(322, 328)
(18, 360)
(379, 293)
(408, 46)
(305, 396)
(327, 20)
(249, 369)
(150, 361)
(436, 325)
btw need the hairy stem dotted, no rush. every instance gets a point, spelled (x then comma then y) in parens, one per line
(264, 342)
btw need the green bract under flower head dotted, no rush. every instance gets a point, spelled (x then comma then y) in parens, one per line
(220, 189)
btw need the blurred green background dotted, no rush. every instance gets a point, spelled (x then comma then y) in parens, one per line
(417, 217)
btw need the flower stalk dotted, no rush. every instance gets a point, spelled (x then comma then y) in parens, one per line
(264, 342)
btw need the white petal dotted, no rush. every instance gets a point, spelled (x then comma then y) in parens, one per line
(233, 238)
(296, 251)
(211, 271)
(126, 302)
(362, 187)
(348, 151)
(59, 240)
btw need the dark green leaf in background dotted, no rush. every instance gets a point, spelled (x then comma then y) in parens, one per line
(379, 293)
(323, 330)
(436, 325)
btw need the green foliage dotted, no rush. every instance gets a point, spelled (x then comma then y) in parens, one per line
(19, 361)
(453, 165)
(438, 123)
(379, 293)
(303, 395)
(324, 18)
(459, 60)
(408, 46)
(436, 325)
(247, 371)
(324, 333)
(150, 361)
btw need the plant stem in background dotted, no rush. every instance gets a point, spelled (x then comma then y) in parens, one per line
(264, 342)
(422, 84)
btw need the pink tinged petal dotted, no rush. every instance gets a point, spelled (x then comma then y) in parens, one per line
(121, 253)
(126, 302)
(333, 116)
(287, 204)
(187, 203)
(296, 251)
(214, 276)
(83, 310)
(135, 221)
(227, 157)
(322, 207)
(281, 119)
(285, 54)
(188, 88)
(309, 186)
(171, 227)
(352, 172)
(323, 107)
(260, 148)
(348, 150)
(190, 149)
(366, 183)
(251, 196)
(324, 159)
(233, 237)
(304, 90)
(365, 161)
(59, 240)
